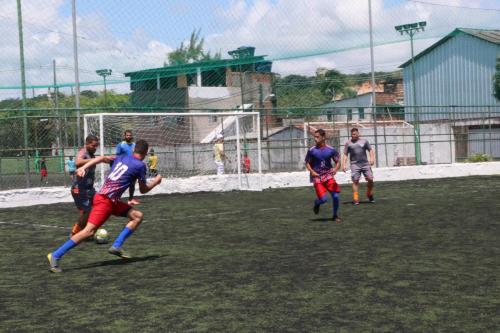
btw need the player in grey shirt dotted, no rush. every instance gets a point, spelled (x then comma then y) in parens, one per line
(356, 149)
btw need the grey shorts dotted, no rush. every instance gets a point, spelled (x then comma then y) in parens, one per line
(357, 170)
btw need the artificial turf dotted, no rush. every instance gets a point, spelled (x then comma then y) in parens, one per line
(424, 258)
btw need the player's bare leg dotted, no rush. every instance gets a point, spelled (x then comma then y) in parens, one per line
(355, 192)
(81, 223)
(369, 191)
(135, 217)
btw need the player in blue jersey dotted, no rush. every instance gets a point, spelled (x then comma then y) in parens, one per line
(126, 148)
(124, 171)
(319, 163)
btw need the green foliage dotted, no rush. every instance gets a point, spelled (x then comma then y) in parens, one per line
(193, 52)
(88, 99)
(496, 81)
(479, 158)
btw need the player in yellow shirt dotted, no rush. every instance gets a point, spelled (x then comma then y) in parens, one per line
(152, 163)
(219, 155)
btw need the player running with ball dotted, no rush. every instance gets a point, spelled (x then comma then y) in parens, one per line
(319, 163)
(124, 170)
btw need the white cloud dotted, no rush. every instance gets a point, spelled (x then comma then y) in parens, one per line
(48, 36)
(289, 31)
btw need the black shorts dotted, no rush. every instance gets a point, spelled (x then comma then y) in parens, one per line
(83, 198)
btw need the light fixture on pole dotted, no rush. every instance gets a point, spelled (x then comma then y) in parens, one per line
(104, 73)
(411, 29)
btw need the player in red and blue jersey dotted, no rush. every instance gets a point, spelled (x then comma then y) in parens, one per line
(124, 171)
(319, 163)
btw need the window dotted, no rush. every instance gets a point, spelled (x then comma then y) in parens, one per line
(349, 114)
(212, 119)
(361, 113)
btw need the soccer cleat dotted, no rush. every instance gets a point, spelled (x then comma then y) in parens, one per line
(133, 202)
(371, 199)
(54, 264)
(119, 252)
(337, 220)
(355, 203)
(316, 208)
(76, 229)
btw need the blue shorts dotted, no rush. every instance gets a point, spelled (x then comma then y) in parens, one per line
(83, 198)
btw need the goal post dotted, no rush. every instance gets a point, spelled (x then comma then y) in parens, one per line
(185, 146)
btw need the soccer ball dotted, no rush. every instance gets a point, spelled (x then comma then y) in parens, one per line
(101, 236)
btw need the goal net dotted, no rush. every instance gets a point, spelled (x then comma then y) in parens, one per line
(185, 144)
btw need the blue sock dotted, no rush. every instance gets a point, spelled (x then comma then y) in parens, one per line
(321, 201)
(336, 203)
(126, 232)
(63, 249)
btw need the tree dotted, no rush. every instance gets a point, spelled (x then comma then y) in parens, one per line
(496, 81)
(333, 83)
(192, 52)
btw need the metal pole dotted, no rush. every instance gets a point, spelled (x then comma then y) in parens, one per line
(259, 153)
(374, 101)
(58, 121)
(238, 156)
(105, 93)
(418, 159)
(77, 79)
(101, 145)
(23, 92)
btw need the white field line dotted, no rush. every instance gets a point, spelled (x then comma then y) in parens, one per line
(34, 225)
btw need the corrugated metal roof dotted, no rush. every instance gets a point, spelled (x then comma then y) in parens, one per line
(492, 36)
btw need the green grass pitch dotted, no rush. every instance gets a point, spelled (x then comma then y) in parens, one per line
(424, 258)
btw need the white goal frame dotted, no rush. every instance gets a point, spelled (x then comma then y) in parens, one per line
(257, 176)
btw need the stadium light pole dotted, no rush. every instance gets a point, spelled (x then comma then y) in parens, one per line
(410, 30)
(77, 78)
(104, 73)
(23, 92)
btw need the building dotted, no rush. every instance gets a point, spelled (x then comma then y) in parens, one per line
(454, 88)
(388, 98)
(455, 71)
(216, 85)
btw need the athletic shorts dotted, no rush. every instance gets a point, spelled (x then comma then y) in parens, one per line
(43, 172)
(327, 186)
(104, 207)
(357, 170)
(83, 198)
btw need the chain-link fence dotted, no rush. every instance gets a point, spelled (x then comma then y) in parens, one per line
(400, 135)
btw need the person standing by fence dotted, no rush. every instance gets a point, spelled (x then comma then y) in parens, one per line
(43, 171)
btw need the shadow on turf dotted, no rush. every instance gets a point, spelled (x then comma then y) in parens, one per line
(322, 219)
(116, 262)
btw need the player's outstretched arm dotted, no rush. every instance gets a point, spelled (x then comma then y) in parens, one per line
(145, 188)
(93, 161)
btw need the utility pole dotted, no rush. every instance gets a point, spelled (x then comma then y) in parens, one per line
(411, 29)
(374, 95)
(77, 79)
(23, 92)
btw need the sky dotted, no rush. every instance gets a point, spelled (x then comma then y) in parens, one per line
(298, 35)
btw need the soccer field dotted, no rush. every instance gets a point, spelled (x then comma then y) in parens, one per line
(424, 258)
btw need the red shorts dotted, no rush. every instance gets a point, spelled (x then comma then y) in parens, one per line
(103, 207)
(327, 186)
(43, 172)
